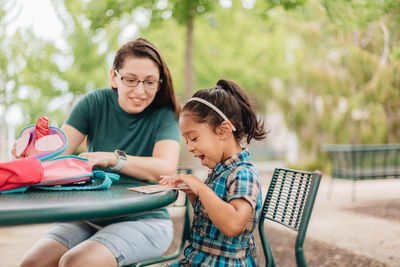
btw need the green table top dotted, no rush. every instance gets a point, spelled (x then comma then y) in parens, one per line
(49, 206)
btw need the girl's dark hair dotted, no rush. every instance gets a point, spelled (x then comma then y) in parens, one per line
(141, 48)
(228, 97)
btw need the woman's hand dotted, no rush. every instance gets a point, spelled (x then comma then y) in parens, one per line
(102, 159)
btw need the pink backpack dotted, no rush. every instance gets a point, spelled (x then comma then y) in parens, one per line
(40, 168)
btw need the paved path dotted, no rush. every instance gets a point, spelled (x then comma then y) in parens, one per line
(331, 222)
(334, 223)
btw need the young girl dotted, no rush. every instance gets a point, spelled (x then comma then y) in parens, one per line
(215, 123)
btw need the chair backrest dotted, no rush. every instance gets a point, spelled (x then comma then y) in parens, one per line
(289, 202)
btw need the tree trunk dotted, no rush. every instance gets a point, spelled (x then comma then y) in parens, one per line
(188, 69)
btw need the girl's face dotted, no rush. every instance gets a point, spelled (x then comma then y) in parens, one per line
(135, 99)
(202, 141)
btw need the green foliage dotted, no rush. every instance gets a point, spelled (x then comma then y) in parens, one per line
(251, 61)
(28, 73)
(331, 66)
(342, 76)
(102, 13)
(351, 15)
(88, 69)
(171, 44)
(286, 4)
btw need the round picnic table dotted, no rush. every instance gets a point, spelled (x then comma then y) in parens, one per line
(41, 206)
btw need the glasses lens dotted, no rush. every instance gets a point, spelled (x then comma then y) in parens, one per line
(130, 81)
(150, 84)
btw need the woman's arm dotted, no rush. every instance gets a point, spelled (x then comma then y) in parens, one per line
(163, 161)
(74, 137)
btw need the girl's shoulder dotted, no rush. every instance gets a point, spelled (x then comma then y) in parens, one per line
(245, 168)
(243, 172)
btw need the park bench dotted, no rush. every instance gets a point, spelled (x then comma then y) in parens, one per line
(362, 162)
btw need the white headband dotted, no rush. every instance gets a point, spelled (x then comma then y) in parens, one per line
(205, 102)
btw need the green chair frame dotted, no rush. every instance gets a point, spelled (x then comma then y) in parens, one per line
(289, 202)
(186, 234)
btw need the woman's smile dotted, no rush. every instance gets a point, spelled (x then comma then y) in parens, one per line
(137, 101)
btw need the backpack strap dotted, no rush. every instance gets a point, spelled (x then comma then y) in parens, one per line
(100, 180)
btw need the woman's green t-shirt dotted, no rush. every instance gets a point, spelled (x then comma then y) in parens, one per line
(108, 127)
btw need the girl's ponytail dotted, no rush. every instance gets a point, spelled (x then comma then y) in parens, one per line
(252, 127)
(234, 103)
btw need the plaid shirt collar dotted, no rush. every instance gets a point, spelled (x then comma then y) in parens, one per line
(240, 157)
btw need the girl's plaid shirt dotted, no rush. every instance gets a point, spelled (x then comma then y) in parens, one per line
(234, 178)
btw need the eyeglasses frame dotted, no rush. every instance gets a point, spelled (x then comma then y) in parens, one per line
(139, 81)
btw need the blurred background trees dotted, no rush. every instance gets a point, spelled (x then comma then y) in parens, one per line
(320, 71)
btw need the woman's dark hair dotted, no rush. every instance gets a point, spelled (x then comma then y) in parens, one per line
(141, 48)
(228, 97)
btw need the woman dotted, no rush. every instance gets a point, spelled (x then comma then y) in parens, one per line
(131, 128)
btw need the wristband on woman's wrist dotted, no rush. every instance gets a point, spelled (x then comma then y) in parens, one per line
(121, 156)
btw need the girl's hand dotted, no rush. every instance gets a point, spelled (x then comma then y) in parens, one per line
(102, 159)
(183, 180)
(168, 180)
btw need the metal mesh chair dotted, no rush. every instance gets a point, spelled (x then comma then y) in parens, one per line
(185, 231)
(289, 202)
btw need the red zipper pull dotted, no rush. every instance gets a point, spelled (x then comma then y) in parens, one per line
(42, 127)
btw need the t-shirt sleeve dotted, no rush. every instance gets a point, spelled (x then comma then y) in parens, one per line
(80, 114)
(168, 128)
(244, 184)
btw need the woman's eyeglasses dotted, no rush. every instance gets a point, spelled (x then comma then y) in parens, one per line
(132, 82)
